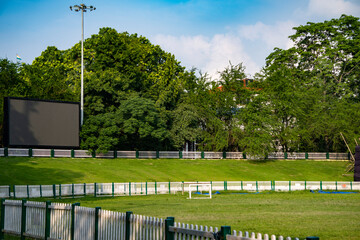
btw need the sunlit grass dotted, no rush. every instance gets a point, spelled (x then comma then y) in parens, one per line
(24, 170)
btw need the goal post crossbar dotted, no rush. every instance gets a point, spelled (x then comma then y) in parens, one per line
(200, 184)
(185, 185)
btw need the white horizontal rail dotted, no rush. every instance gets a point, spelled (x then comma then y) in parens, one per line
(149, 188)
(21, 152)
(192, 232)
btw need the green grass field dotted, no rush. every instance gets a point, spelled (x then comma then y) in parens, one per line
(23, 170)
(295, 214)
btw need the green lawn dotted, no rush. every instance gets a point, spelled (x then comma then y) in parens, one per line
(295, 214)
(24, 170)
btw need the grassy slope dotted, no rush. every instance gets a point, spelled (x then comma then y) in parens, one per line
(23, 170)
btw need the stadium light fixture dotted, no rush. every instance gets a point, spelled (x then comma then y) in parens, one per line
(83, 8)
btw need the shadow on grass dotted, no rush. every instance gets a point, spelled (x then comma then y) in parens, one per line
(24, 170)
(262, 161)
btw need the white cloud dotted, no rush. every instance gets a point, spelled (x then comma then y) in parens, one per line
(271, 35)
(248, 44)
(333, 8)
(208, 54)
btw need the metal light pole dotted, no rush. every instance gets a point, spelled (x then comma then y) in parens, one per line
(83, 8)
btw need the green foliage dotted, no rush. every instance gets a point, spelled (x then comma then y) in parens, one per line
(119, 63)
(11, 85)
(104, 92)
(10, 82)
(143, 124)
(101, 132)
(46, 77)
(308, 94)
(185, 125)
(217, 103)
(120, 66)
(137, 124)
(138, 96)
(330, 51)
(258, 122)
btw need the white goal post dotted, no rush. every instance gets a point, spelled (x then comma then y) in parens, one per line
(200, 187)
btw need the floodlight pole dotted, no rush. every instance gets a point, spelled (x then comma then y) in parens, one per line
(83, 9)
(82, 70)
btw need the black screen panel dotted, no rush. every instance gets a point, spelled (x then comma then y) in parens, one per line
(38, 123)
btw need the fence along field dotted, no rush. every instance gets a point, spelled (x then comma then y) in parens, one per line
(18, 152)
(151, 188)
(46, 220)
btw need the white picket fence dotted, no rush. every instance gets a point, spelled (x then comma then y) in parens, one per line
(253, 236)
(184, 231)
(142, 227)
(69, 221)
(107, 224)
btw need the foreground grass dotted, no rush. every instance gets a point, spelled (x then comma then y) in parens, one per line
(24, 170)
(295, 214)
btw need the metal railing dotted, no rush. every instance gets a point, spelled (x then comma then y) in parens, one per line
(22, 152)
(153, 188)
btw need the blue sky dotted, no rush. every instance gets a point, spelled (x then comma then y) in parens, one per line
(202, 34)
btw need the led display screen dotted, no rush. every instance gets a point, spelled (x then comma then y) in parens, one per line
(40, 123)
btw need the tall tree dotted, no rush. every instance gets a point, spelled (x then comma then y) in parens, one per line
(135, 125)
(309, 86)
(120, 66)
(228, 95)
(11, 85)
(330, 50)
(127, 64)
(329, 55)
(217, 104)
(46, 77)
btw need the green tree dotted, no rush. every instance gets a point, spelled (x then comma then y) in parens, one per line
(329, 56)
(101, 133)
(330, 51)
(135, 125)
(216, 104)
(118, 66)
(11, 85)
(185, 125)
(144, 125)
(307, 88)
(119, 63)
(257, 139)
(46, 77)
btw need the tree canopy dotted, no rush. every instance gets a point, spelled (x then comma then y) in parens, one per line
(311, 91)
(139, 97)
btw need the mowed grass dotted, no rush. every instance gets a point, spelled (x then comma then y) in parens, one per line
(24, 170)
(296, 214)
